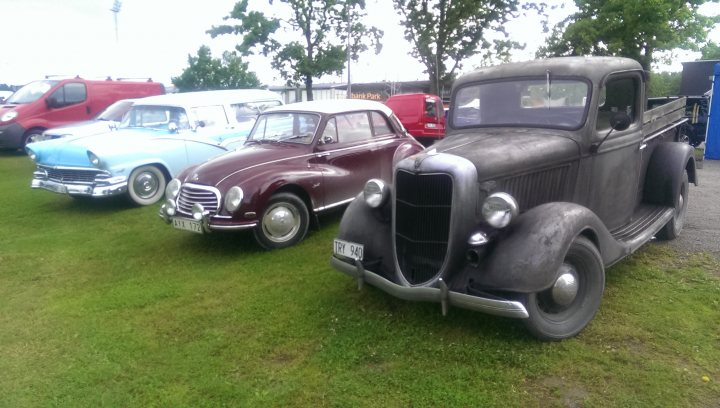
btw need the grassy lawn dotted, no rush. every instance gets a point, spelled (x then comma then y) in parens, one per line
(102, 304)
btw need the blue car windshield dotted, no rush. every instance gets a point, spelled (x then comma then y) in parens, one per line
(156, 117)
(292, 127)
(31, 92)
(540, 102)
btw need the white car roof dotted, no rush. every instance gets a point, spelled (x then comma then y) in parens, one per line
(331, 106)
(204, 98)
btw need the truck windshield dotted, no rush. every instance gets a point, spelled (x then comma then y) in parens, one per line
(31, 92)
(541, 102)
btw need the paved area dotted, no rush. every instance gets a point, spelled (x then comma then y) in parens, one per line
(702, 224)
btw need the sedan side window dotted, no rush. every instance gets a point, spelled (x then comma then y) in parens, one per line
(353, 127)
(380, 124)
(330, 133)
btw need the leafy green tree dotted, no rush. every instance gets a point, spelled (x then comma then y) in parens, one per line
(448, 32)
(634, 29)
(324, 27)
(207, 73)
(664, 84)
(711, 51)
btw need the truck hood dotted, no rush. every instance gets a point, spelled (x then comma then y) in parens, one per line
(489, 150)
(232, 165)
(72, 151)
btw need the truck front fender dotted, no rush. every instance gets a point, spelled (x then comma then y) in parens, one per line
(372, 228)
(528, 254)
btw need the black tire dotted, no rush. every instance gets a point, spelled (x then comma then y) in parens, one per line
(672, 229)
(283, 223)
(146, 185)
(32, 135)
(552, 318)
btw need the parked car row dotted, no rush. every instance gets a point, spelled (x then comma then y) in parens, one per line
(550, 172)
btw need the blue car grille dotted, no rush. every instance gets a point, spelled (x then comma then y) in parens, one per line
(422, 226)
(191, 194)
(74, 176)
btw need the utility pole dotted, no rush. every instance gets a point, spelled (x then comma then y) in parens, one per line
(116, 9)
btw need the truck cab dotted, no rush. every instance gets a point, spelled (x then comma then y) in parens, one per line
(550, 172)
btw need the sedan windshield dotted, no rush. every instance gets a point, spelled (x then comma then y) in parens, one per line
(31, 92)
(156, 117)
(115, 111)
(541, 102)
(285, 127)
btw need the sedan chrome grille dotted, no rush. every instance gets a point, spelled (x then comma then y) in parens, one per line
(72, 175)
(422, 223)
(191, 194)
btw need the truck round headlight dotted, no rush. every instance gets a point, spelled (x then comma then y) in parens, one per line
(499, 209)
(173, 189)
(375, 193)
(233, 198)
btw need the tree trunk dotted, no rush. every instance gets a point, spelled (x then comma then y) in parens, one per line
(308, 87)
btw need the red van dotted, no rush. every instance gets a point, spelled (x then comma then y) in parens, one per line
(53, 102)
(422, 115)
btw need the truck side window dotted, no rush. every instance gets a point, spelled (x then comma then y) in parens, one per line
(618, 95)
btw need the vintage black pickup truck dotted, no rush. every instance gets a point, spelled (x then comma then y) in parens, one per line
(551, 171)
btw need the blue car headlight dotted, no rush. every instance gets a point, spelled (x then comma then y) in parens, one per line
(94, 160)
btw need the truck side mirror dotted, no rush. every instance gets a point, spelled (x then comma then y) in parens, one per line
(620, 121)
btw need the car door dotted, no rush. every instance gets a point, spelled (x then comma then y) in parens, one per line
(68, 103)
(354, 147)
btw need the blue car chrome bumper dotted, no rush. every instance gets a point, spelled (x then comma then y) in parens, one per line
(98, 188)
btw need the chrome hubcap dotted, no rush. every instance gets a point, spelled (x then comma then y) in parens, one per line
(145, 185)
(565, 288)
(281, 223)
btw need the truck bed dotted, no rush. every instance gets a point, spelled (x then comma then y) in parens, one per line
(664, 117)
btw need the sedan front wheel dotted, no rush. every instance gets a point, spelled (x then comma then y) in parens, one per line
(283, 223)
(146, 185)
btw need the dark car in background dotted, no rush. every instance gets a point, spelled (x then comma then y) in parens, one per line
(299, 160)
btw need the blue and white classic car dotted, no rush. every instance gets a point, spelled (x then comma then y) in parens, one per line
(157, 138)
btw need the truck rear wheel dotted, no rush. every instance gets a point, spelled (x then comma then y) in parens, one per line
(564, 309)
(672, 229)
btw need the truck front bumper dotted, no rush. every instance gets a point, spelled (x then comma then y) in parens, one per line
(11, 136)
(440, 294)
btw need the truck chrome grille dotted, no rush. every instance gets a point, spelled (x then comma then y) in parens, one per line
(190, 194)
(422, 223)
(73, 176)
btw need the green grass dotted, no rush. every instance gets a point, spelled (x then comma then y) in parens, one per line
(102, 304)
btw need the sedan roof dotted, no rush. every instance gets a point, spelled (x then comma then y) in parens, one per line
(332, 106)
(205, 98)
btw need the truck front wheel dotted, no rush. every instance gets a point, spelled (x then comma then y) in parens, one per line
(564, 309)
(672, 229)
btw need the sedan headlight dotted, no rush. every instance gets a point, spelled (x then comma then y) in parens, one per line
(376, 193)
(94, 160)
(173, 189)
(499, 209)
(31, 154)
(233, 198)
(8, 116)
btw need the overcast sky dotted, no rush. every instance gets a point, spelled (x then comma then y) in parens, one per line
(154, 38)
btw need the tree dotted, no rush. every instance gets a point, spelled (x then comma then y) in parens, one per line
(633, 29)
(443, 31)
(711, 51)
(664, 84)
(205, 73)
(324, 26)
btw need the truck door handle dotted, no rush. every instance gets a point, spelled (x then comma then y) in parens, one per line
(87, 109)
(643, 146)
(322, 154)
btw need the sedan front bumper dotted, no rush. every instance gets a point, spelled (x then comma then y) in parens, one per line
(441, 294)
(90, 190)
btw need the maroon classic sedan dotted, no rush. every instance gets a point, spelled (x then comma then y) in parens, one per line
(300, 159)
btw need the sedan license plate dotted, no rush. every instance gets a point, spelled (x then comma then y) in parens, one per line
(348, 249)
(188, 225)
(56, 188)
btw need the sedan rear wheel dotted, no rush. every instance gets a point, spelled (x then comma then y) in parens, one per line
(146, 185)
(283, 223)
(564, 309)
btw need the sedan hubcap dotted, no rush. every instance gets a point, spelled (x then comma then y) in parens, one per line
(566, 286)
(145, 185)
(281, 223)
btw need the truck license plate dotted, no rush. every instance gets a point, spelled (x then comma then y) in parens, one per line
(188, 225)
(348, 249)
